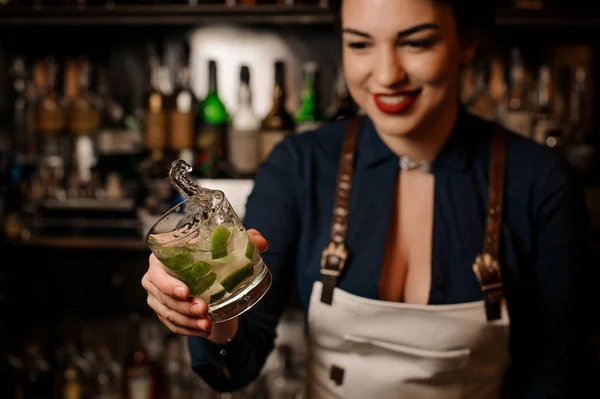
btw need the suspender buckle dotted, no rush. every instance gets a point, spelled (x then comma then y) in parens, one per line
(487, 271)
(333, 259)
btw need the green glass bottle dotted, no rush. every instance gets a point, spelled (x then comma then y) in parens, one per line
(309, 116)
(211, 137)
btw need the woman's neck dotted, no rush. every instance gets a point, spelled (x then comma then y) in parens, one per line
(427, 142)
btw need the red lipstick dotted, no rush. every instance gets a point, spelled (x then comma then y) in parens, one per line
(397, 102)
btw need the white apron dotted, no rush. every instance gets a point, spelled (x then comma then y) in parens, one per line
(398, 350)
(363, 348)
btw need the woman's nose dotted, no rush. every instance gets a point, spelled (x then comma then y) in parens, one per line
(389, 68)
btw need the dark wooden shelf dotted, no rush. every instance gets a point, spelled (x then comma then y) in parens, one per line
(557, 18)
(163, 15)
(181, 15)
(126, 244)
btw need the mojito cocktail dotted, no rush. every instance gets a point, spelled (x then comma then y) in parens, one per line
(202, 242)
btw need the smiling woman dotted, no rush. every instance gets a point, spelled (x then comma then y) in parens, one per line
(453, 262)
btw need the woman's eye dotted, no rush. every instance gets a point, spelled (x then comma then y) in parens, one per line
(421, 43)
(358, 45)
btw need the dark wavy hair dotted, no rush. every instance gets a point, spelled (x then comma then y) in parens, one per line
(473, 17)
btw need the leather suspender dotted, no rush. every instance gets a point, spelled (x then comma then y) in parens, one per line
(486, 265)
(335, 253)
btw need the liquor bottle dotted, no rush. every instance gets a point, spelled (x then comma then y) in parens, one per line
(23, 151)
(121, 137)
(174, 365)
(84, 113)
(51, 113)
(72, 372)
(108, 375)
(181, 118)
(519, 113)
(243, 136)
(37, 381)
(139, 381)
(51, 123)
(278, 123)
(545, 118)
(155, 109)
(84, 121)
(211, 136)
(308, 116)
(343, 105)
(154, 167)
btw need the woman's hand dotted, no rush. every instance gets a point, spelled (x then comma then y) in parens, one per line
(182, 314)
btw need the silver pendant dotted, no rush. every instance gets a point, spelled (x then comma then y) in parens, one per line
(407, 163)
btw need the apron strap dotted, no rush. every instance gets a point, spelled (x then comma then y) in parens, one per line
(335, 253)
(487, 265)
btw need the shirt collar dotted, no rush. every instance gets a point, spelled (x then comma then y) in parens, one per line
(456, 154)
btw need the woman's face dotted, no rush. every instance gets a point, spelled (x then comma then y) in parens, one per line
(402, 60)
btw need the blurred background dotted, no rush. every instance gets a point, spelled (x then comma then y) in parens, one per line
(98, 97)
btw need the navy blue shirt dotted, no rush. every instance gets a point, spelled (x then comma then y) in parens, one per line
(544, 245)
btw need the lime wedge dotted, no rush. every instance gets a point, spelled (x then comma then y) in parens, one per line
(234, 279)
(218, 242)
(203, 284)
(217, 296)
(179, 261)
(229, 258)
(199, 270)
(249, 249)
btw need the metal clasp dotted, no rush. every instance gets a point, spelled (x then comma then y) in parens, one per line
(487, 265)
(333, 259)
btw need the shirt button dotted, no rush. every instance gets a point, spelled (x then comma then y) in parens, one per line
(223, 352)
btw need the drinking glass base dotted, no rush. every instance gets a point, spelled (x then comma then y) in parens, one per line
(239, 303)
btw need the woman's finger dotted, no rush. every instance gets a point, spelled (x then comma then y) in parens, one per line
(192, 307)
(178, 321)
(258, 240)
(164, 281)
(175, 329)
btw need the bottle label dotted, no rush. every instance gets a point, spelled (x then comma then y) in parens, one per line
(72, 390)
(119, 141)
(51, 119)
(182, 130)
(140, 383)
(156, 130)
(184, 103)
(210, 145)
(139, 388)
(243, 150)
(267, 140)
(519, 122)
(84, 121)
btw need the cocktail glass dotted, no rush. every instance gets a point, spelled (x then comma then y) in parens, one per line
(202, 242)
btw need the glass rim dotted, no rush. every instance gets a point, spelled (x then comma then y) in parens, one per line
(172, 210)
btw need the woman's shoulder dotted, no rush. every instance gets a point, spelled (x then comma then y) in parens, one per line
(526, 158)
(524, 155)
(534, 170)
